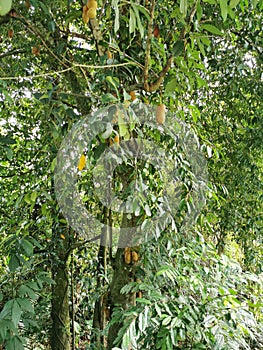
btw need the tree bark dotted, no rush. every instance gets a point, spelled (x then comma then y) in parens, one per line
(60, 332)
(122, 275)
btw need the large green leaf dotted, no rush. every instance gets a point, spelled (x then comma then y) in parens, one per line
(5, 7)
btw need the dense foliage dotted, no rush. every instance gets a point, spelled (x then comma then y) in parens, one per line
(193, 287)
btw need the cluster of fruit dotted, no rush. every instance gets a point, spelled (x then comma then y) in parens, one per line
(89, 10)
(130, 256)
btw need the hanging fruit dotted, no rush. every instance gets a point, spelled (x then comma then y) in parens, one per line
(82, 162)
(89, 10)
(160, 114)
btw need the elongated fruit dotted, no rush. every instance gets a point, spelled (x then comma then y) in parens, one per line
(82, 162)
(160, 114)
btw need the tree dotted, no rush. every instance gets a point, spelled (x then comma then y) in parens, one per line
(55, 70)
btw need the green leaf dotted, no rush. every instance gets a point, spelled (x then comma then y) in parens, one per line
(171, 86)
(15, 343)
(201, 46)
(142, 319)
(99, 150)
(126, 340)
(162, 270)
(25, 305)
(183, 7)
(132, 22)
(27, 198)
(106, 98)
(7, 140)
(123, 130)
(113, 82)
(139, 23)
(178, 48)
(27, 247)
(224, 9)
(25, 290)
(212, 29)
(6, 326)
(143, 301)
(147, 210)
(115, 6)
(33, 285)
(254, 3)
(6, 311)
(233, 3)
(33, 196)
(13, 263)
(5, 7)
(199, 11)
(16, 312)
(166, 320)
(11, 311)
(108, 131)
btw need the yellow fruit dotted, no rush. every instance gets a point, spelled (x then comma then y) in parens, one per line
(92, 4)
(133, 96)
(85, 16)
(109, 54)
(116, 139)
(135, 257)
(139, 294)
(160, 114)
(82, 162)
(35, 51)
(127, 258)
(127, 255)
(91, 12)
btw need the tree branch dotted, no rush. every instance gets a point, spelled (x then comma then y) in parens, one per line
(13, 52)
(94, 25)
(151, 87)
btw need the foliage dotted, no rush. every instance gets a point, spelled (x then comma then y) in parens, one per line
(195, 300)
(203, 60)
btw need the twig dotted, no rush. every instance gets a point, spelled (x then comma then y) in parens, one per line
(97, 36)
(68, 69)
(13, 52)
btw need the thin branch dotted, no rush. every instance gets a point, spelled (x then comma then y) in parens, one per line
(13, 52)
(97, 36)
(68, 69)
(34, 31)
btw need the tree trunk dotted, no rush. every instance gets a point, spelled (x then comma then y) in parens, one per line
(124, 272)
(60, 332)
